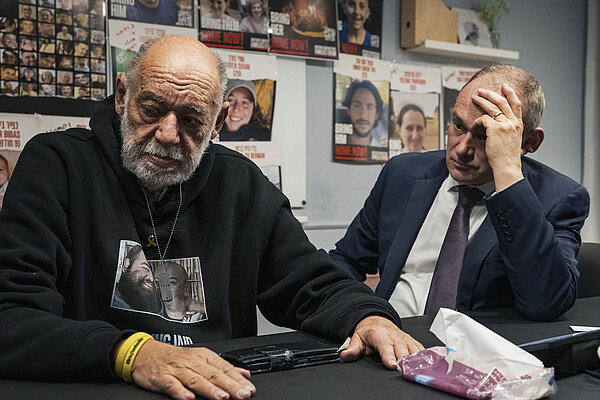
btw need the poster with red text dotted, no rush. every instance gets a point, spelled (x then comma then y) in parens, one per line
(414, 109)
(17, 129)
(251, 96)
(453, 79)
(240, 25)
(306, 28)
(126, 37)
(359, 26)
(361, 110)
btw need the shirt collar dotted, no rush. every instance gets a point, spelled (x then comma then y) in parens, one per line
(486, 188)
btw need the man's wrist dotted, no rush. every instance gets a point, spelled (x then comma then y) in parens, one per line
(506, 177)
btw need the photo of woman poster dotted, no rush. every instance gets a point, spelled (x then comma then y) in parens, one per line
(414, 122)
(234, 24)
(414, 109)
(304, 28)
(245, 120)
(359, 24)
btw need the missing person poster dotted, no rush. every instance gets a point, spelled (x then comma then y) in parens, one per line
(231, 24)
(251, 96)
(162, 12)
(453, 79)
(53, 49)
(361, 110)
(359, 26)
(414, 109)
(17, 129)
(305, 28)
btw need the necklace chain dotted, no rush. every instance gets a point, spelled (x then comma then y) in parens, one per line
(161, 254)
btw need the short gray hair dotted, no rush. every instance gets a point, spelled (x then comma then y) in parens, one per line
(525, 84)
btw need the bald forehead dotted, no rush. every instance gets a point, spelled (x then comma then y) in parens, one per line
(176, 270)
(492, 81)
(183, 52)
(182, 64)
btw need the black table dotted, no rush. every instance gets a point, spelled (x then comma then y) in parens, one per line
(365, 379)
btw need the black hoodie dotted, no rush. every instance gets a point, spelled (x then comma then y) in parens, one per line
(70, 205)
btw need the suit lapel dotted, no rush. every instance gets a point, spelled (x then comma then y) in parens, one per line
(477, 251)
(421, 197)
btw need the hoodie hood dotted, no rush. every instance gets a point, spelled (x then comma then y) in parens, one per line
(106, 126)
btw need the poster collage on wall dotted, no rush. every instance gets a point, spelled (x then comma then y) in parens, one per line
(53, 48)
(305, 28)
(382, 109)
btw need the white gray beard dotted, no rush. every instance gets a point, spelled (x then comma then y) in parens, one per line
(152, 177)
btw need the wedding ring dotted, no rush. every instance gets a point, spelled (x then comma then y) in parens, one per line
(499, 113)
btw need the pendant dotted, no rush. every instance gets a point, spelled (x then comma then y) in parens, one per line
(151, 241)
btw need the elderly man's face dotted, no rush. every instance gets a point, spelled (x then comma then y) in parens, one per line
(241, 107)
(465, 155)
(168, 122)
(363, 112)
(412, 130)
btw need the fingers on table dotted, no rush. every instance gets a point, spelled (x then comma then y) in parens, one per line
(185, 373)
(355, 349)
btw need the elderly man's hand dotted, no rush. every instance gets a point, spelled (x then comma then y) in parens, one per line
(378, 334)
(184, 372)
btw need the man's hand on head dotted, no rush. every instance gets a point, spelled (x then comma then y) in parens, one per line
(379, 334)
(184, 372)
(503, 123)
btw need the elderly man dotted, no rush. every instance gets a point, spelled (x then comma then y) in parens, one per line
(147, 173)
(515, 247)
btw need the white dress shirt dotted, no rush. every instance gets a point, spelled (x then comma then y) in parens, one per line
(410, 295)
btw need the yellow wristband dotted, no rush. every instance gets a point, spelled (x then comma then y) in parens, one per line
(127, 353)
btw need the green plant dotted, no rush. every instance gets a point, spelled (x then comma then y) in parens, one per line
(490, 12)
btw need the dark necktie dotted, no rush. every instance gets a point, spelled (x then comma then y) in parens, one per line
(444, 284)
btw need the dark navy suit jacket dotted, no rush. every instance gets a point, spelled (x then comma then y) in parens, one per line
(522, 256)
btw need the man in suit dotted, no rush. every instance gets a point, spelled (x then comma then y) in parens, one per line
(521, 238)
